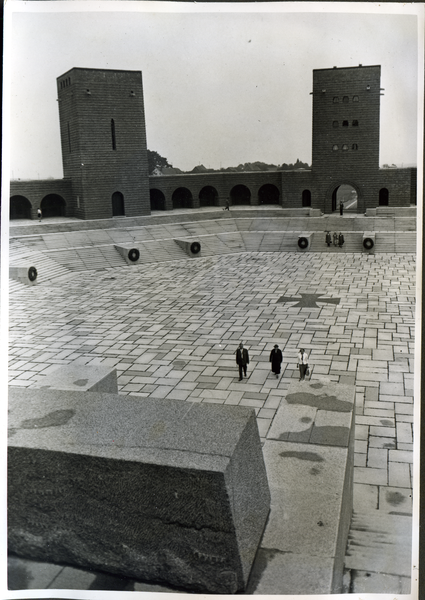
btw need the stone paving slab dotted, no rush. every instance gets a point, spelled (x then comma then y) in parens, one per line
(142, 319)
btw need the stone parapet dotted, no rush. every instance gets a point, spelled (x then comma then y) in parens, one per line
(309, 455)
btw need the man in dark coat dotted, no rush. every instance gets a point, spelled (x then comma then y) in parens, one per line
(242, 360)
(341, 240)
(276, 360)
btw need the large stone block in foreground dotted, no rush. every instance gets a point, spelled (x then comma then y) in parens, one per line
(160, 491)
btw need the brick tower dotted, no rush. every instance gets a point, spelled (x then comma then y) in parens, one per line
(346, 112)
(103, 138)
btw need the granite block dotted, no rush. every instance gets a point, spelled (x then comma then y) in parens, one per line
(94, 378)
(160, 491)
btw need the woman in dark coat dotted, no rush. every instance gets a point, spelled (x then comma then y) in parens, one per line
(276, 360)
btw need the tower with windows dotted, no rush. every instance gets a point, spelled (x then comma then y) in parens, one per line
(103, 139)
(346, 113)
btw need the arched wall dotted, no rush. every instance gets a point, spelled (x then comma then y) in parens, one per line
(36, 190)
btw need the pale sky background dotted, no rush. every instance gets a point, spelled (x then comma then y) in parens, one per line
(220, 88)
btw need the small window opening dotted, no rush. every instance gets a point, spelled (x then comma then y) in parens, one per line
(354, 147)
(355, 123)
(355, 98)
(345, 99)
(335, 124)
(335, 100)
(114, 142)
(345, 123)
(345, 147)
(335, 147)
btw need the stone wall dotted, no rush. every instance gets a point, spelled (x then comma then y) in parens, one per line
(103, 139)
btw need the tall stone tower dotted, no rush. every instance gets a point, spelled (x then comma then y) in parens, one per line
(103, 138)
(346, 113)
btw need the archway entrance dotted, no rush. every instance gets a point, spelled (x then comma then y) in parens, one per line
(268, 194)
(157, 200)
(383, 197)
(240, 195)
(346, 194)
(20, 208)
(53, 205)
(208, 196)
(306, 198)
(118, 205)
(182, 198)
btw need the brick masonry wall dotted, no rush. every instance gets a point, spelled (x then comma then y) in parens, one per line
(35, 190)
(89, 99)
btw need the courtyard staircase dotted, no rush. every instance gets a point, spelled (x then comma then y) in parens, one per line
(57, 254)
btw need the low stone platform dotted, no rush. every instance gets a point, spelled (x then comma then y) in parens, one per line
(309, 455)
(159, 491)
(76, 377)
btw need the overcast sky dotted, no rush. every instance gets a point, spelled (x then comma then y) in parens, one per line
(220, 88)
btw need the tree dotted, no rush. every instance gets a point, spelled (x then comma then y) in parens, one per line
(156, 161)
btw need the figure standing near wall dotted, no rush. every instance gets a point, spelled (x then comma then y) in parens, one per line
(341, 208)
(328, 238)
(39, 214)
(335, 238)
(341, 240)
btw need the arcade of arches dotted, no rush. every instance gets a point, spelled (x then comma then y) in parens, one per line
(51, 205)
(208, 196)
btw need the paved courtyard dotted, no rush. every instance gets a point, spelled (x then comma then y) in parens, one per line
(171, 331)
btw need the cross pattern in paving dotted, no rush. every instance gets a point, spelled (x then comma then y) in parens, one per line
(171, 331)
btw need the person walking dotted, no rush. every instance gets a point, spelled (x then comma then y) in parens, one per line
(242, 360)
(276, 360)
(39, 214)
(302, 363)
(341, 240)
(227, 205)
(328, 238)
(341, 208)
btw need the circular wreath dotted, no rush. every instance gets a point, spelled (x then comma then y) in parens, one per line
(368, 243)
(133, 254)
(32, 273)
(302, 243)
(195, 247)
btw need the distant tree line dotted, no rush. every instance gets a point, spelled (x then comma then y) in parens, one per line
(157, 163)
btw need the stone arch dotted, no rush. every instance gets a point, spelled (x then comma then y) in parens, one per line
(20, 207)
(118, 209)
(182, 198)
(333, 197)
(157, 199)
(306, 198)
(240, 195)
(384, 197)
(208, 196)
(268, 194)
(53, 205)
